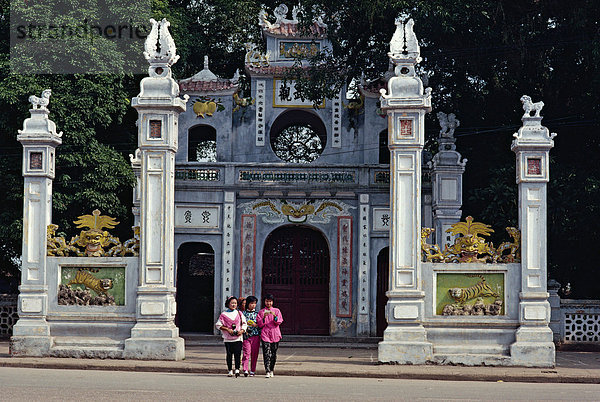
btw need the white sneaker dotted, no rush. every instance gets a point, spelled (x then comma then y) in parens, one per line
(268, 375)
(237, 373)
(271, 374)
(230, 374)
(245, 373)
(252, 374)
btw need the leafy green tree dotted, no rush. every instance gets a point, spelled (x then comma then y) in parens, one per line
(479, 56)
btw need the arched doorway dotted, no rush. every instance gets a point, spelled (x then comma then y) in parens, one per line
(296, 271)
(195, 287)
(383, 285)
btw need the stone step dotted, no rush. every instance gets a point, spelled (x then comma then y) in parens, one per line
(474, 349)
(81, 341)
(89, 352)
(472, 359)
(87, 347)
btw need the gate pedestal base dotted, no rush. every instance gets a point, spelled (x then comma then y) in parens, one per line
(405, 345)
(154, 342)
(31, 337)
(533, 348)
(31, 346)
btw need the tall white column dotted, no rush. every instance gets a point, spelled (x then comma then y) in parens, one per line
(404, 340)
(532, 144)
(446, 179)
(136, 166)
(31, 333)
(155, 335)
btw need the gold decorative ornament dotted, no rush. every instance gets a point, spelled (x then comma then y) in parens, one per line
(241, 102)
(355, 105)
(514, 247)
(57, 246)
(431, 252)
(93, 241)
(205, 106)
(298, 213)
(469, 246)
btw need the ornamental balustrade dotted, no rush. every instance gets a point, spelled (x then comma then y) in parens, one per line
(8, 314)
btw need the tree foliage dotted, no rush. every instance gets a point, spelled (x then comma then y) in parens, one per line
(479, 56)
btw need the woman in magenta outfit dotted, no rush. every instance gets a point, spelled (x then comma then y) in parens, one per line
(251, 343)
(269, 319)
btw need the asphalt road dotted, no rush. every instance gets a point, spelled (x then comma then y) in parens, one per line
(21, 384)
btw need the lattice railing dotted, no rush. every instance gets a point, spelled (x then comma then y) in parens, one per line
(8, 314)
(580, 321)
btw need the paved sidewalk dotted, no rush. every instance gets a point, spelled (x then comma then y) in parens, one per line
(572, 367)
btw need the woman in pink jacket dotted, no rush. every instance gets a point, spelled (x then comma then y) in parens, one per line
(232, 325)
(269, 319)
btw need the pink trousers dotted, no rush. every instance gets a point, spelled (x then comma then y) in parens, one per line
(250, 348)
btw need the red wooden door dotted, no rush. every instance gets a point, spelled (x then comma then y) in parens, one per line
(383, 275)
(296, 272)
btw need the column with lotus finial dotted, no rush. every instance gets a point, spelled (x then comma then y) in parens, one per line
(155, 336)
(31, 333)
(406, 102)
(533, 344)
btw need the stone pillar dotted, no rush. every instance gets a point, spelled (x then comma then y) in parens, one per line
(155, 335)
(532, 143)
(446, 179)
(404, 340)
(31, 333)
(136, 166)
(364, 267)
(554, 300)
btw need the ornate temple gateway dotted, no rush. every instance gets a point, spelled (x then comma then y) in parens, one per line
(333, 208)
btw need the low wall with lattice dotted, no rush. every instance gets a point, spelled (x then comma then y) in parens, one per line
(8, 314)
(580, 321)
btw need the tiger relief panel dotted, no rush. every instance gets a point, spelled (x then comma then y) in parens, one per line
(460, 294)
(92, 286)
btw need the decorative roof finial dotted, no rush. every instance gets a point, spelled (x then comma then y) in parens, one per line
(41, 103)
(159, 34)
(448, 123)
(280, 13)
(404, 43)
(206, 62)
(529, 106)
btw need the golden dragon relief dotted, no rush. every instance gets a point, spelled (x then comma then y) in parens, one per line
(93, 241)
(470, 246)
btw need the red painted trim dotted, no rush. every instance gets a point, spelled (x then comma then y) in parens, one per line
(350, 273)
(242, 234)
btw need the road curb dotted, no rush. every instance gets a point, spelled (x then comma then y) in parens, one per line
(406, 375)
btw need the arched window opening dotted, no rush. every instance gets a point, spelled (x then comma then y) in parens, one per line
(202, 144)
(298, 136)
(384, 151)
